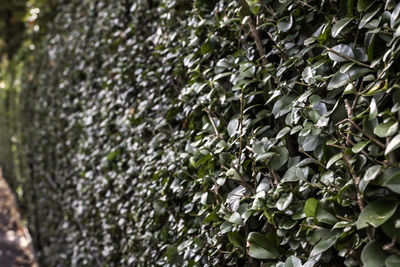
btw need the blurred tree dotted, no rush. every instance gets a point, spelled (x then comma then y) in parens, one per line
(11, 26)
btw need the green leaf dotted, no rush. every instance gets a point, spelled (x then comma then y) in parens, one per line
(369, 44)
(284, 201)
(393, 184)
(322, 246)
(324, 34)
(233, 127)
(211, 217)
(391, 227)
(340, 25)
(282, 106)
(372, 255)
(359, 146)
(282, 132)
(333, 159)
(368, 16)
(290, 175)
(221, 75)
(343, 49)
(386, 129)
(324, 216)
(279, 158)
(377, 213)
(310, 207)
(261, 247)
(373, 109)
(236, 218)
(387, 175)
(264, 156)
(285, 24)
(395, 14)
(311, 142)
(340, 79)
(363, 4)
(393, 144)
(293, 261)
(236, 239)
(392, 261)
(225, 227)
(372, 172)
(171, 252)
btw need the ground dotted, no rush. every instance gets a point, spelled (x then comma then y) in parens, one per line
(15, 242)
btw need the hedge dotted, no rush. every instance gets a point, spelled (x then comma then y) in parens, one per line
(213, 133)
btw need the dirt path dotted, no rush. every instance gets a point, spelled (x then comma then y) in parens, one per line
(15, 243)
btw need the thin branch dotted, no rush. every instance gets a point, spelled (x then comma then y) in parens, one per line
(311, 7)
(363, 152)
(367, 135)
(348, 58)
(356, 181)
(212, 122)
(379, 76)
(240, 130)
(256, 36)
(250, 149)
(311, 157)
(242, 180)
(350, 115)
(276, 177)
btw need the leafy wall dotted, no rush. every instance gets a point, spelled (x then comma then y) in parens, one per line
(213, 132)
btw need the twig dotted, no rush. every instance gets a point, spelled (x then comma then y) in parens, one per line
(304, 84)
(256, 36)
(356, 181)
(309, 6)
(379, 76)
(212, 122)
(281, 52)
(250, 149)
(240, 130)
(276, 177)
(364, 153)
(344, 218)
(311, 157)
(350, 115)
(348, 58)
(242, 180)
(367, 135)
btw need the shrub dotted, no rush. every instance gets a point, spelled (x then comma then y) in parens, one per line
(212, 132)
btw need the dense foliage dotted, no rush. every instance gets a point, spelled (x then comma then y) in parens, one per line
(214, 132)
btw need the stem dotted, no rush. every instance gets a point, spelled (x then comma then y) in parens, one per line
(240, 130)
(367, 135)
(313, 8)
(356, 181)
(256, 36)
(350, 115)
(348, 58)
(311, 157)
(212, 122)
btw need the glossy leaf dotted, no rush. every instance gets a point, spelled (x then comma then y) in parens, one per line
(372, 254)
(393, 144)
(340, 79)
(386, 129)
(377, 213)
(261, 247)
(339, 26)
